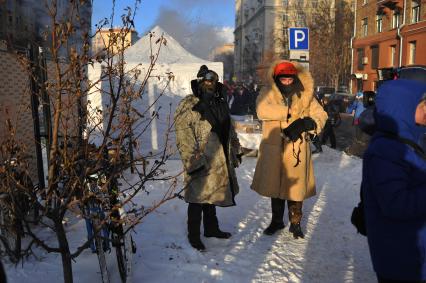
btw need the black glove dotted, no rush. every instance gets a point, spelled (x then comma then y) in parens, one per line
(295, 129)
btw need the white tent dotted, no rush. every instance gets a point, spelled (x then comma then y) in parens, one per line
(173, 58)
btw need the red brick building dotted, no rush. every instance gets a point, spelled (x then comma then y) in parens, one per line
(388, 33)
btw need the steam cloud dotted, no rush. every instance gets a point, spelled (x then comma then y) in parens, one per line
(195, 35)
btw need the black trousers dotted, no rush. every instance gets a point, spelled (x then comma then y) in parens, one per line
(204, 211)
(328, 133)
(294, 210)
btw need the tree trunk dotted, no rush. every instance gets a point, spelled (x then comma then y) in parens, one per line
(65, 252)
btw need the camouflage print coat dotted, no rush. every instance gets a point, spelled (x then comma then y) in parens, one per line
(209, 176)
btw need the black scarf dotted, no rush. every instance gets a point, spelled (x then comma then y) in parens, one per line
(288, 90)
(213, 108)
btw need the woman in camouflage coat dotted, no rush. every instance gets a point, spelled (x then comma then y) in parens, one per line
(209, 149)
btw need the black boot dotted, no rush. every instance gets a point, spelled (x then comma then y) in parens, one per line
(296, 230)
(272, 228)
(194, 223)
(277, 222)
(211, 224)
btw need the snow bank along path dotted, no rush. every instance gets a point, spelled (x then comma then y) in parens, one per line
(330, 252)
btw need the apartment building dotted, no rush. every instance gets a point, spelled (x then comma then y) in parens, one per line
(115, 39)
(387, 33)
(224, 54)
(27, 21)
(261, 32)
(24, 26)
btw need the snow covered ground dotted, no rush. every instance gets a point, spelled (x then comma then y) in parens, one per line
(331, 252)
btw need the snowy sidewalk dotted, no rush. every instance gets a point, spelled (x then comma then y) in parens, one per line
(330, 252)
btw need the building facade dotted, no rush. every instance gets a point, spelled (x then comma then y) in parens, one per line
(387, 33)
(24, 25)
(261, 32)
(224, 54)
(27, 21)
(114, 39)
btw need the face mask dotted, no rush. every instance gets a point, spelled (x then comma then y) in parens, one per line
(285, 89)
(208, 91)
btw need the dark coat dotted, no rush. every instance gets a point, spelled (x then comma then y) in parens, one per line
(209, 172)
(333, 114)
(394, 186)
(242, 102)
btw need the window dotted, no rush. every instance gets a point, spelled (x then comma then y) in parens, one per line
(300, 19)
(364, 2)
(314, 4)
(395, 19)
(360, 56)
(364, 24)
(375, 56)
(392, 55)
(412, 54)
(379, 23)
(285, 3)
(415, 11)
(285, 19)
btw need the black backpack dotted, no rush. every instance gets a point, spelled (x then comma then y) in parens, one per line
(358, 217)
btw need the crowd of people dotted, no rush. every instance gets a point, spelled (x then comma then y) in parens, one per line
(241, 97)
(394, 165)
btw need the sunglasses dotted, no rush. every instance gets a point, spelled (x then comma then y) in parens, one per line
(211, 76)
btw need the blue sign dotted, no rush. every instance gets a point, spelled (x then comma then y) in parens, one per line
(299, 38)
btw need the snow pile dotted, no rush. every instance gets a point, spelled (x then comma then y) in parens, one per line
(330, 252)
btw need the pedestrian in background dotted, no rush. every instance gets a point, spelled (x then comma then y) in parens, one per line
(394, 183)
(241, 101)
(284, 171)
(333, 121)
(356, 108)
(210, 150)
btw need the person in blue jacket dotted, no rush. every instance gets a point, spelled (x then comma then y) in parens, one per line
(394, 183)
(356, 107)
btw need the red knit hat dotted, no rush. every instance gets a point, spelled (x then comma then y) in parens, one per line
(285, 68)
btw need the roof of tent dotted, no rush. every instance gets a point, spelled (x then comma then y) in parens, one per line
(171, 53)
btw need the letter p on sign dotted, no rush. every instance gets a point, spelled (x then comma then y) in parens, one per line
(299, 38)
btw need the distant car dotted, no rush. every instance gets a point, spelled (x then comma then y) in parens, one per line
(415, 72)
(324, 91)
(342, 100)
(342, 88)
(412, 72)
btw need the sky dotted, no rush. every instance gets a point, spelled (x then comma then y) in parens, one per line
(196, 24)
(218, 13)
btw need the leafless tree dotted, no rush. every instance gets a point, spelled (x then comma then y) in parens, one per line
(331, 29)
(77, 121)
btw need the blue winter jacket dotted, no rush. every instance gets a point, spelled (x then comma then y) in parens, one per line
(394, 185)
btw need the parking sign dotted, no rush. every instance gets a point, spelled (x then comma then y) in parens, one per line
(299, 38)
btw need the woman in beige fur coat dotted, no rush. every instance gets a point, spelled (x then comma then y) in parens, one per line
(284, 170)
